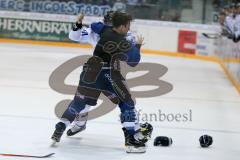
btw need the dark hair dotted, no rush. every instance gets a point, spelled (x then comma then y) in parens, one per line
(121, 18)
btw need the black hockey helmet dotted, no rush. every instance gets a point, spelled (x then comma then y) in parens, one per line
(108, 17)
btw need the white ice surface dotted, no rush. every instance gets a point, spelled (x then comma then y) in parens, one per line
(27, 104)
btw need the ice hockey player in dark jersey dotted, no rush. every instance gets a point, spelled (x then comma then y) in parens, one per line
(102, 74)
(82, 34)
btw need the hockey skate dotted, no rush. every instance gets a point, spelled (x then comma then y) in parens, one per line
(60, 128)
(76, 129)
(79, 124)
(133, 144)
(137, 143)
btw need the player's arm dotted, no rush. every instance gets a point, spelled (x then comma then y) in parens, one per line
(133, 53)
(78, 32)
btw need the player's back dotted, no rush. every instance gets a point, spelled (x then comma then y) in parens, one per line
(109, 44)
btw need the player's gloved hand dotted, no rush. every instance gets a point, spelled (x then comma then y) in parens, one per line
(146, 130)
(78, 24)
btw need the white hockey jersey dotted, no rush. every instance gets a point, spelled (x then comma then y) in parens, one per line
(86, 35)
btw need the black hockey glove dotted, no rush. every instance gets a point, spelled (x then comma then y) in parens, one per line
(146, 130)
(76, 26)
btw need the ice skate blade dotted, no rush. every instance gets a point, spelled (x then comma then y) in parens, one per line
(132, 149)
(53, 143)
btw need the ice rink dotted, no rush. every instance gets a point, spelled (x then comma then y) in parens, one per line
(27, 117)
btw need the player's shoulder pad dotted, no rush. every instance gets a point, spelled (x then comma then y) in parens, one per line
(97, 27)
